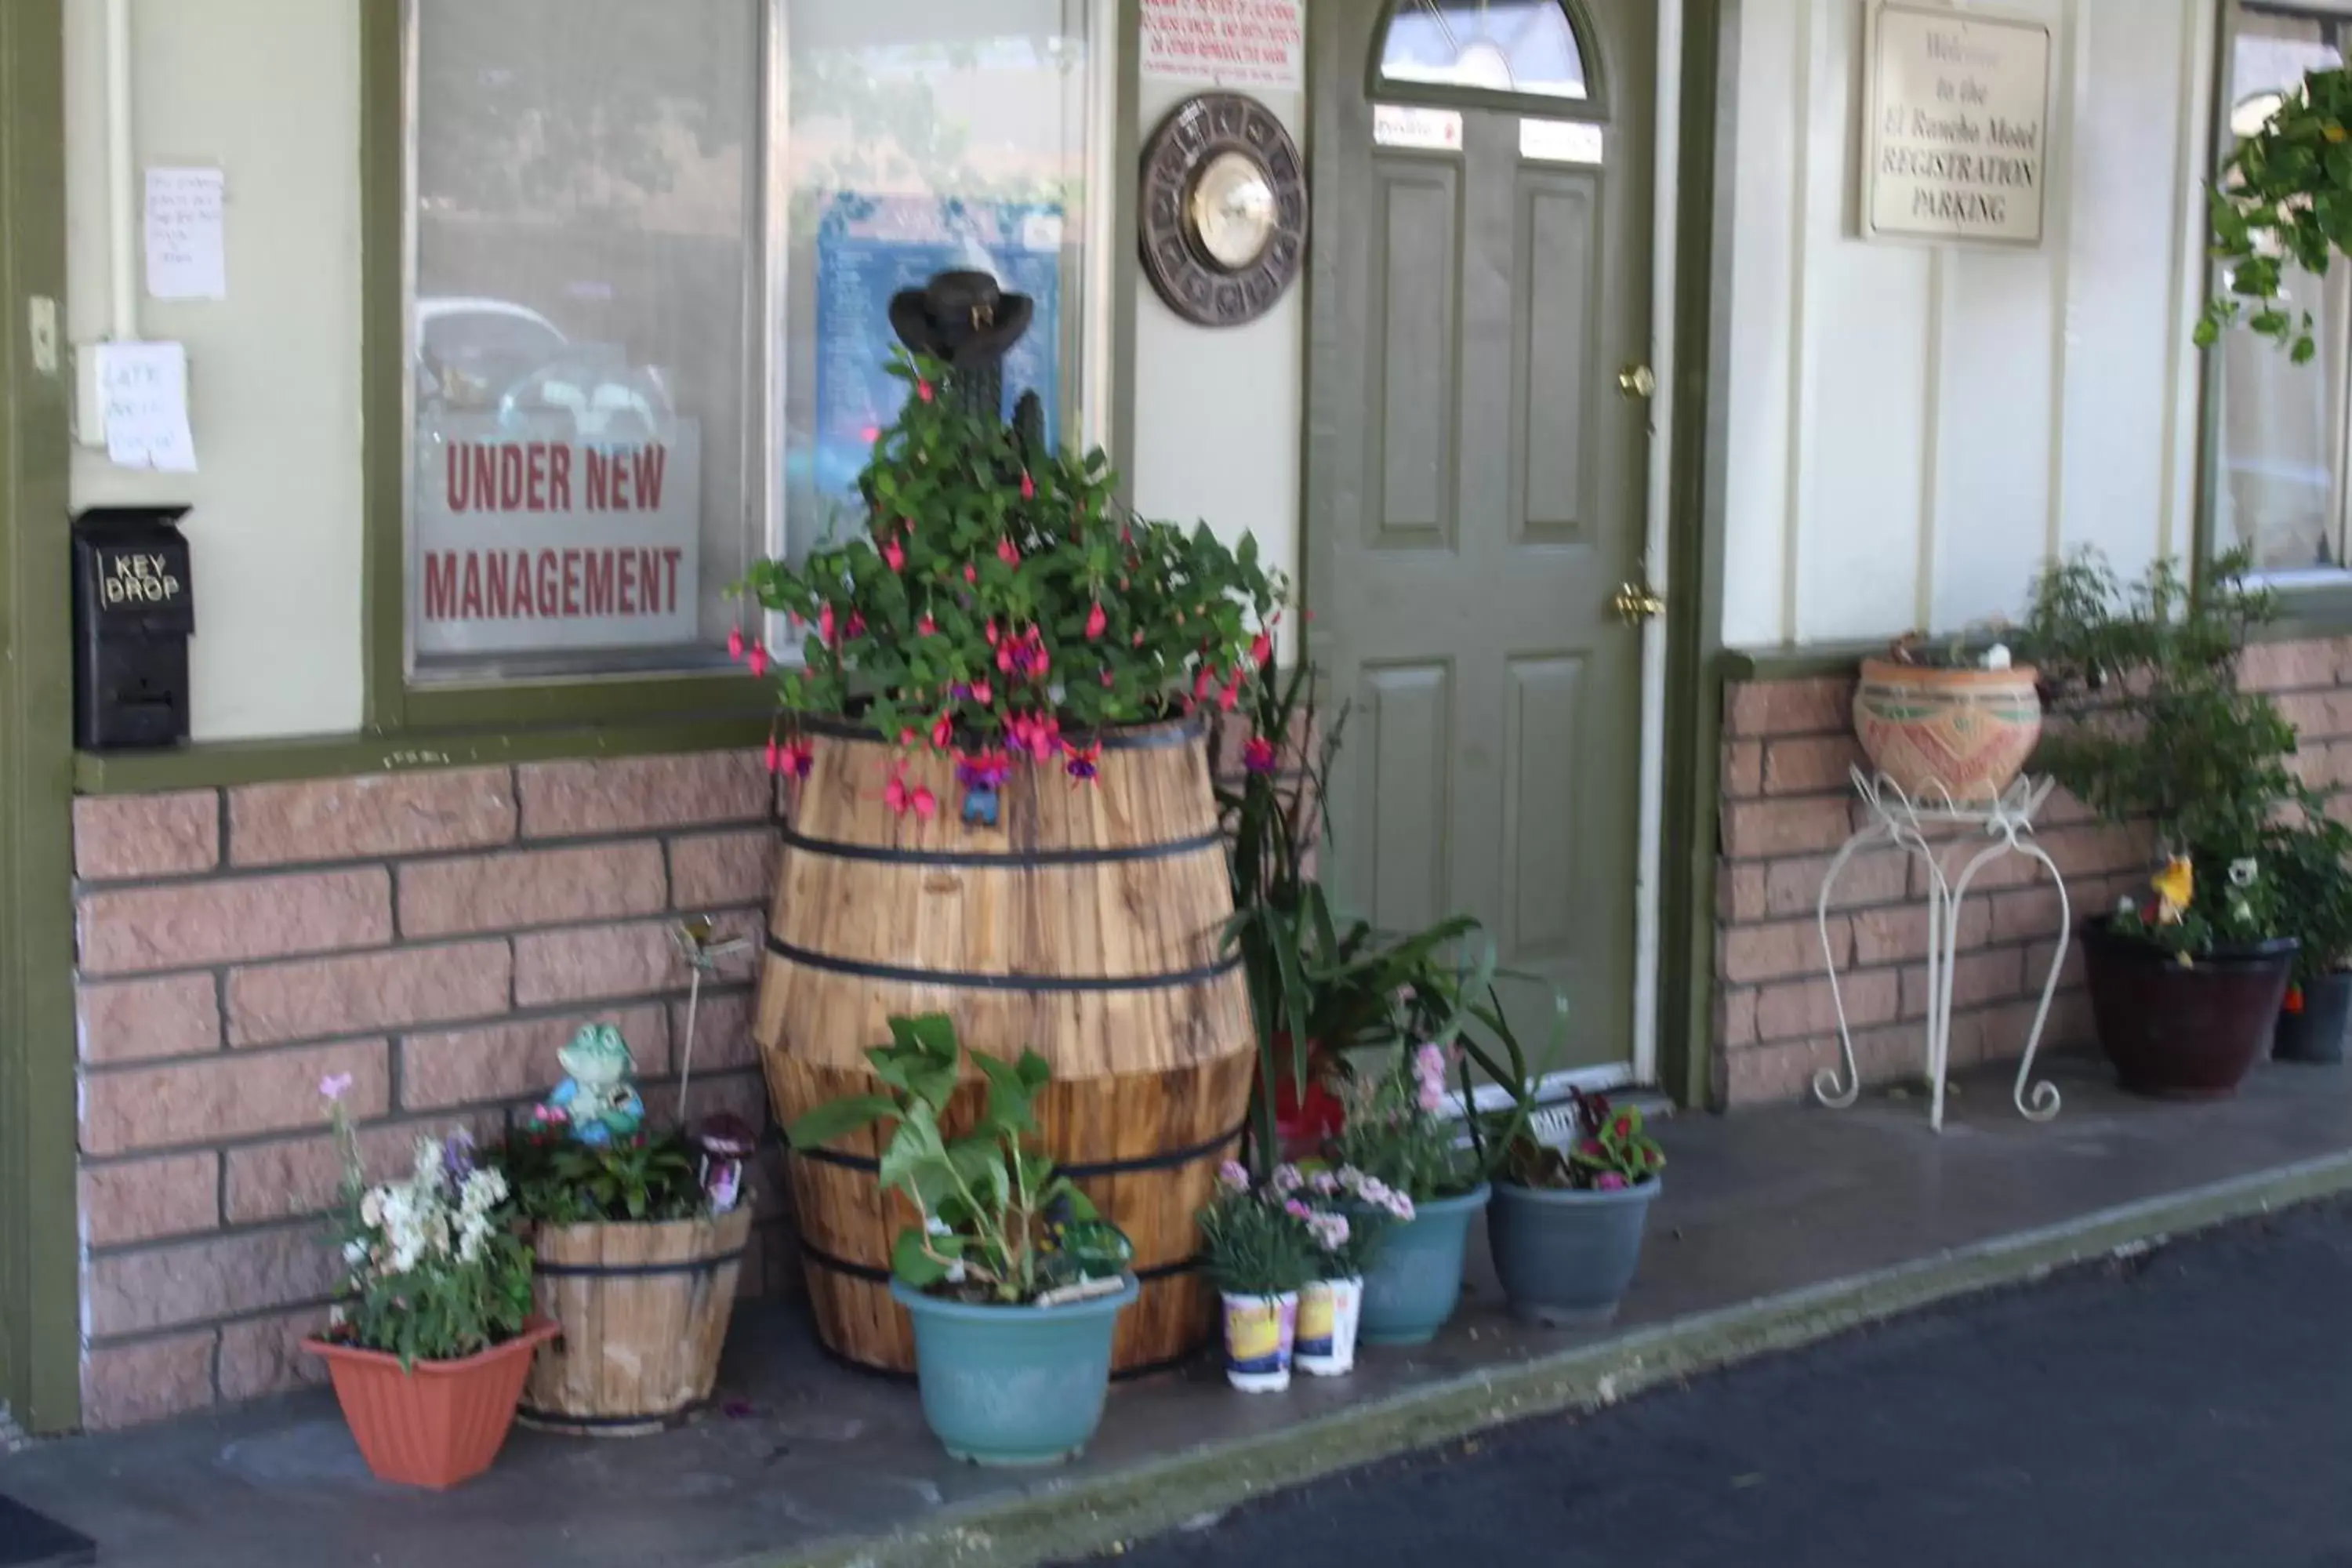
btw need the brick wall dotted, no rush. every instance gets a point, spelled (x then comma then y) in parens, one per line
(1788, 804)
(435, 935)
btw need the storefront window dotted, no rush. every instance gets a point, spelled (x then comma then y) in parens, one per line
(652, 250)
(2282, 489)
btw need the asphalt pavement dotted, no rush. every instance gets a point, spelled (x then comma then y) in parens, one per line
(2190, 1405)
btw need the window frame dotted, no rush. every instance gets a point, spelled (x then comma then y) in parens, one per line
(1594, 108)
(394, 700)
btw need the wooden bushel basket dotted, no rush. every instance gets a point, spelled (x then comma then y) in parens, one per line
(1086, 926)
(644, 1309)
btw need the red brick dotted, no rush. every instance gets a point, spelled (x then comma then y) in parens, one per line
(1899, 935)
(1735, 1017)
(531, 888)
(146, 1199)
(722, 1034)
(2291, 666)
(1758, 830)
(2037, 964)
(297, 1176)
(1871, 877)
(365, 818)
(234, 920)
(265, 1355)
(1819, 706)
(199, 1103)
(517, 1060)
(1743, 770)
(121, 836)
(2025, 914)
(1999, 871)
(741, 1094)
(630, 794)
(1978, 978)
(368, 991)
(137, 1020)
(1791, 947)
(169, 1287)
(2095, 851)
(1799, 1009)
(1770, 1075)
(713, 870)
(2318, 715)
(123, 1385)
(2323, 767)
(1816, 765)
(1739, 892)
(599, 961)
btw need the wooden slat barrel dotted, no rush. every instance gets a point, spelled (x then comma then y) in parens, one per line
(1084, 926)
(644, 1309)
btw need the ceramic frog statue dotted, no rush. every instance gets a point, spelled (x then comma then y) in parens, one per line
(598, 1095)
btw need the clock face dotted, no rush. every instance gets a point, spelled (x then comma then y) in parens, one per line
(1232, 210)
(1224, 209)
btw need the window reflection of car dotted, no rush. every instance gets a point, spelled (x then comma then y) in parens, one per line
(496, 357)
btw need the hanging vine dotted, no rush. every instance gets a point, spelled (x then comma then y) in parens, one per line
(2285, 197)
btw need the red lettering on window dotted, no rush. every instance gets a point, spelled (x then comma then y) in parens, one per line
(600, 479)
(494, 587)
(458, 489)
(470, 600)
(526, 602)
(572, 584)
(628, 582)
(511, 485)
(600, 582)
(559, 478)
(441, 585)
(551, 585)
(486, 475)
(536, 497)
(650, 463)
(672, 556)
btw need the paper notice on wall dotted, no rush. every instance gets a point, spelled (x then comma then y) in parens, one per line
(145, 390)
(188, 234)
(1229, 43)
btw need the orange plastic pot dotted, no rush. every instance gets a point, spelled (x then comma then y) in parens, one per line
(438, 1423)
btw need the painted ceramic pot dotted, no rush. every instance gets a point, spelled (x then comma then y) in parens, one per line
(1962, 732)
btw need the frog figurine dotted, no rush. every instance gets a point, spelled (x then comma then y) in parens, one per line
(598, 1096)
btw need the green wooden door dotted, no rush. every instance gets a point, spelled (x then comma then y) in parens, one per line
(1476, 474)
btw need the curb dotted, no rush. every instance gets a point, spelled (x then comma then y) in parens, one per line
(1079, 1519)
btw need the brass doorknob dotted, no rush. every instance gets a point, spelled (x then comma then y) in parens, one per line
(1635, 602)
(1637, 381)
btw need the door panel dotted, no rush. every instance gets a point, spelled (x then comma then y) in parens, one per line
(1475, 485)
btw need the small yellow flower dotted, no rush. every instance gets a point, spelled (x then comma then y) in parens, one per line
(2176, 889)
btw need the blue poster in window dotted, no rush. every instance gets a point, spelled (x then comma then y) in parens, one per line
(868, 250)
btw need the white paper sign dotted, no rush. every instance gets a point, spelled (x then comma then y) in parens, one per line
(1957, 135)
(145, 389)
(532, 541)
(186, 238)
(1230, 43)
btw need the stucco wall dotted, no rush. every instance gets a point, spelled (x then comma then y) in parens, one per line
(1913, 428)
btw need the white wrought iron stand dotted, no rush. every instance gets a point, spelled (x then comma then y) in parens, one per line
(2003, 826)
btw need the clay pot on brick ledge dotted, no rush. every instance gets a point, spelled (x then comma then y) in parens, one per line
(1936, 732)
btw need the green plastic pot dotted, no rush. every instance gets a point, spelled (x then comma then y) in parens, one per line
(1567, 1257)
(1012, 1386)
(1415, 1282)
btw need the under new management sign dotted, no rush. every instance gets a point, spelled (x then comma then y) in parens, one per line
(1957, 131)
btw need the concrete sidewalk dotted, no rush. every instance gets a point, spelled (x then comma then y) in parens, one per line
(1776, 1229)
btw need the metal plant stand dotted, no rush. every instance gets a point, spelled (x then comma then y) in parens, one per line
(1940, 833)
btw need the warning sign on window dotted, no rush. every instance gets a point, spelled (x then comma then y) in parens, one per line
(1229, 43)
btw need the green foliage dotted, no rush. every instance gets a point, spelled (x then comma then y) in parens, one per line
(2307, 862)
(998, 1223)
(1255, 1242)
(433, 1270)
(2150, 723)
(1608, 1150)
(558, 1179)
(999, 587)
(2284, 199)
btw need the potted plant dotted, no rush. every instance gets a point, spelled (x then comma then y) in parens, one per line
(432, 1331)
(638, 1238)
(2185, 986)
(1349, 1213)
(1014, 1281)
(1947, 722)
(1256, 1246)
(1566, 1225)
(2316, 893)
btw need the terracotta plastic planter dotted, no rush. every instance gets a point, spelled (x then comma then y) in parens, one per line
(2179, 1031)
(1965, 732)
(439, 1422)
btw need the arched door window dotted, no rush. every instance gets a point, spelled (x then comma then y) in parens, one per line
(1528, 49)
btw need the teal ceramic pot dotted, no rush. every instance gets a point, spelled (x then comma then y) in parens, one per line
(1414, 1283)
(1566, 1259)
(1012, 1386)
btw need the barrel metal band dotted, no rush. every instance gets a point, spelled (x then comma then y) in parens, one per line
(637, 1270)
(1167, 735)
(1166, 1161)
(1036, 984)
(557, 1418)
(891, 855)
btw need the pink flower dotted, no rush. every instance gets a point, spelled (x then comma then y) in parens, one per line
(926, 804)
(971, 573)
(1258, 756)
(775, 755)
(896, 555)
(856, 625)
(942, 729)
(1205, 679)
(1139, 636)
(1231, 1176)
(824, 625)
(1008, 552)
(335, 1085)
(982, 693)
(872, 433)
(1096, 623)
(1028, 486)
(1298, 1210)
(1261, 649)
(799, 758)
(896, 796)
(735, 645)
(923, 390)
(1611, 1181)
(990, 631)
(1230, 695)
(759, 661)
(1108, 679)
(926, 627)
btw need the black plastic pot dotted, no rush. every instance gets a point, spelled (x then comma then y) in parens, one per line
(2183, 1031)
(2316, 1032)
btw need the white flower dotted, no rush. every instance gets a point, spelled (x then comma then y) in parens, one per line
(2127, 905)
(372, 1208)
(1997, 657)
(355, 1253)
(2242, 872)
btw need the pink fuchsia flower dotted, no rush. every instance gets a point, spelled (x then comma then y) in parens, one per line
(799, 758)
(735, 645)
(856, 624)
(1139, 636)
(1232, 1177)
(1261, 649)
(1008, 552)
(926, 804)
(971, 573)
(982, 692)
(990, 632)
(759, 661)
(335, 1085)
(1257, 756)
(926, 627)
(825, 623)
(942, 729)
(1084, 763)
(871, 433)
(1108, 679)
(923, 390)
(1096, 623)
(1028, 486)
(775, 755)
(1230, 695)
(895, 554)
(1203, 681)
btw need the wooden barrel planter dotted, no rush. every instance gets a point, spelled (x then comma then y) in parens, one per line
(644, 1309)
(1086, 925)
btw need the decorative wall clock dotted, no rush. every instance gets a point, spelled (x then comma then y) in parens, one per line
(1224, 209)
